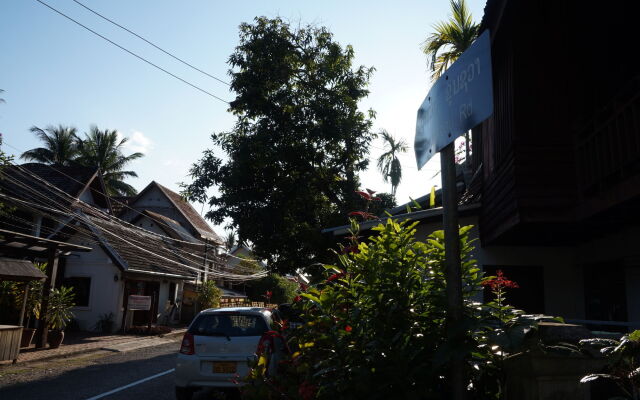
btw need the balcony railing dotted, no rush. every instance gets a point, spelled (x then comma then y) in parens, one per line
(608, 147)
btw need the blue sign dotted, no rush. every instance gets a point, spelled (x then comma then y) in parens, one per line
(459, 100)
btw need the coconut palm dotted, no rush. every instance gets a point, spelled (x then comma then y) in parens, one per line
(450, 39)
(388, 163)
(103, 149)
(60, 146)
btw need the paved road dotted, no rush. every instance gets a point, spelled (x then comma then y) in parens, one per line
(89, 376)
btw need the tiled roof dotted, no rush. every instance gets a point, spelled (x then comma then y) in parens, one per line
(170, 226)
(146, 252)
(71, 180)
(191, 215)
(119, 204)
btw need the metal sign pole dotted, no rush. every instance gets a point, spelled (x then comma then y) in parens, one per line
(458, 101)
(453, 274)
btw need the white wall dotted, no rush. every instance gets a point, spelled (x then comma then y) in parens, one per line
(105, 293)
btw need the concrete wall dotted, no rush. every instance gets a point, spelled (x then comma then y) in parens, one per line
(105, 294)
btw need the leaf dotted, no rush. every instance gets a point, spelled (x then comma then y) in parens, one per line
(593, 377)
(432, 197)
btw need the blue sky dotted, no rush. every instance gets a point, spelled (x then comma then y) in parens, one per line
(54, 71)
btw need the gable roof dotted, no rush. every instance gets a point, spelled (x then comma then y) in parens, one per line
(170, 226)
(73, 180)
(146, 253)
(198, 224)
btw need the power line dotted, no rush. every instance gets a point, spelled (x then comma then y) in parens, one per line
(69, 212)
(152, 44)
(132, 53)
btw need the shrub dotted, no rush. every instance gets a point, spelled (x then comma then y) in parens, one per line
(273, 288)
(375, 327)
(209, 295)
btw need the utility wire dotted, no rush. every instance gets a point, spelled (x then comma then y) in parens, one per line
(132, 53)
(70, 212)
(152, 44)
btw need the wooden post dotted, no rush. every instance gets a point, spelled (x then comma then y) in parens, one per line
(49, 283)
(24, 303)
(453, 274)
(153, 302)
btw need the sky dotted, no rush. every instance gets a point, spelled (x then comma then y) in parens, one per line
(55, 72)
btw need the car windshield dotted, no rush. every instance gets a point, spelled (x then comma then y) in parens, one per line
(228, 325)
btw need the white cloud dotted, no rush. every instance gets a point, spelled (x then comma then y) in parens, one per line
(138, 142)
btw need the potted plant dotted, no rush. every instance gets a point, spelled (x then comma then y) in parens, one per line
(34, 301)
(59, 314)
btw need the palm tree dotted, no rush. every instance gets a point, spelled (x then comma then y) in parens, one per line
(103, 149)
(450, 39)
(60, 146)
(388, 162)
(230, 240)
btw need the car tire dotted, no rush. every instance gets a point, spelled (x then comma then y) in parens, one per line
(183, 393)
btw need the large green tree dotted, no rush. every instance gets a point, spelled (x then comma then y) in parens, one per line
(388, 162)
(299, 141)
(60, 145)
(450, 38)
(103, 149)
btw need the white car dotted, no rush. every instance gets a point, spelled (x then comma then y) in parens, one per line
(217, 347)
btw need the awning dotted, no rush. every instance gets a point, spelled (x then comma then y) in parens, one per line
(19, 270)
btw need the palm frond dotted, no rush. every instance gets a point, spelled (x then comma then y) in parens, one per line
(450, 38)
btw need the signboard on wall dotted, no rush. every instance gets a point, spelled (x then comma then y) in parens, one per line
(139, 302)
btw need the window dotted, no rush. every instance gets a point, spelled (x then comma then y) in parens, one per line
(228, 324)
(81, 289)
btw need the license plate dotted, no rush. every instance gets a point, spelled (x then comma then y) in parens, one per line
(224, 367)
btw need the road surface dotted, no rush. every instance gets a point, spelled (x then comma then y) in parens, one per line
(143, 374)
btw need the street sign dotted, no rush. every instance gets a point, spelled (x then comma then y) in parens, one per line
(139, 302)
(459, 100)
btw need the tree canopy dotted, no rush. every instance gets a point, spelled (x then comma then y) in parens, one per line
(103, 149)
(450, 38)
(389, 163)
(99, 148)
(299, 141)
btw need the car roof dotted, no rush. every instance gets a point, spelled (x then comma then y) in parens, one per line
(247, 310)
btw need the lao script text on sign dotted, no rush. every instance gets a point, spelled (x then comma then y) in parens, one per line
(139, 302)
(459, 100)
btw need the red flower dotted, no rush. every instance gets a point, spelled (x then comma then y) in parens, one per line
(267, 295)
(364, 195)
(297, 299)
(335, 276)
(348, 328)
(500, 282)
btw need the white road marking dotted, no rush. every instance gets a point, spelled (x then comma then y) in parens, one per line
(116, 390)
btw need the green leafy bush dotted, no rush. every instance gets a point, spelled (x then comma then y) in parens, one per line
(60, 305)
(623, 362)
(209, 295)
(375, 327)
(273, 288)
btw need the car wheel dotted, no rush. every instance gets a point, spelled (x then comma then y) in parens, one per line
(183, 393)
